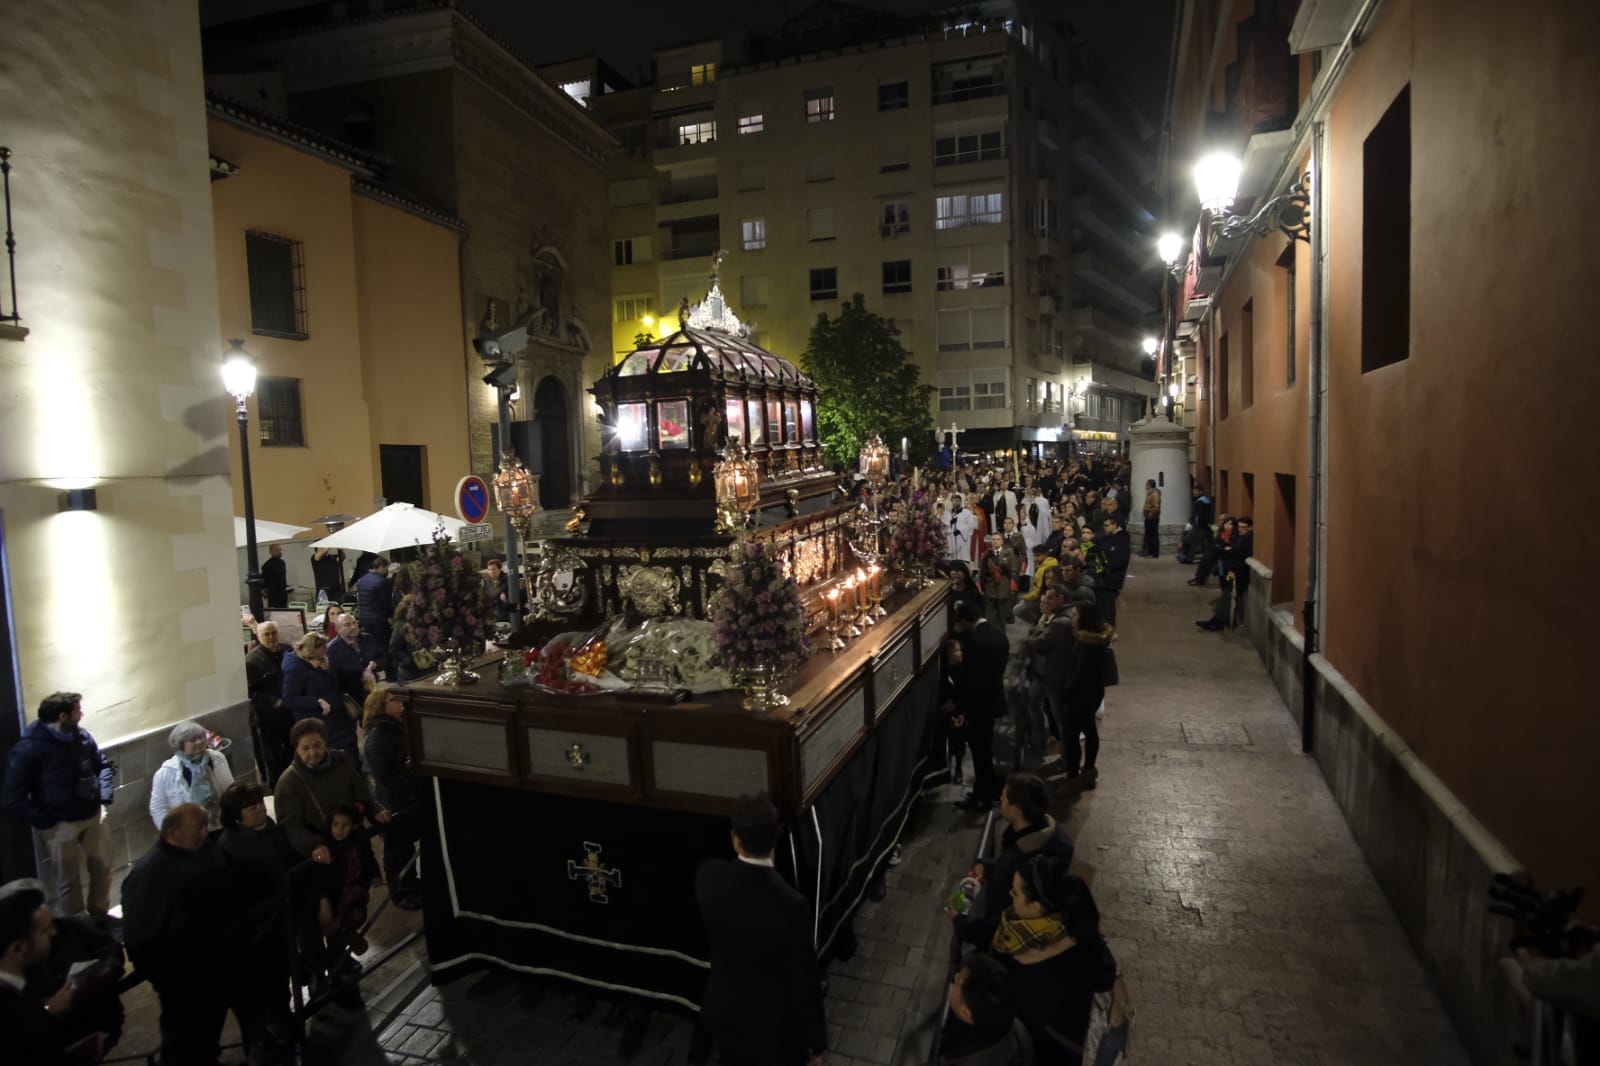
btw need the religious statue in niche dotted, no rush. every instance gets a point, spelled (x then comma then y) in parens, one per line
(711, 418)
(548, 274)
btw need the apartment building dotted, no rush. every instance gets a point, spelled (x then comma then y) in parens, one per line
(929, 167)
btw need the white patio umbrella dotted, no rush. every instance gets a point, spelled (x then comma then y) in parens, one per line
(266, 532)
(399, 525)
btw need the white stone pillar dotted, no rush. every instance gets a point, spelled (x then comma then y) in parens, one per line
(1160, 452)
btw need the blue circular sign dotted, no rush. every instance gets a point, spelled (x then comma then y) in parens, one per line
(472, 499)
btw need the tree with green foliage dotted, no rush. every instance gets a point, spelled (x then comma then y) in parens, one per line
(866, 384)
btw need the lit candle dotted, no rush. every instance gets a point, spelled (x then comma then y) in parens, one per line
(916, 476)
(833, 604)
(861, 576)
(850, 597)
(875, 575)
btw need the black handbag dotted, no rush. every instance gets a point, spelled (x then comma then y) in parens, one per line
(1108, 674)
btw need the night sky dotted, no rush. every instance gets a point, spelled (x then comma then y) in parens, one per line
(1135, 35)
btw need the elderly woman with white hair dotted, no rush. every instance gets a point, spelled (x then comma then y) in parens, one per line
(196, 773)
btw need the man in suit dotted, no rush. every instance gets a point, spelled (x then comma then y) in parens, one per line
(980, 697)
(763, 1001)
(275, 578)
(375, 601)
(26, 930)
(1118, 550)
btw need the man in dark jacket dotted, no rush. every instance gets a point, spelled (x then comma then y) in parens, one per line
(57, 781)
(1048, 644)
(981, 1028)
(1118, 549)
(183, 910)
(275, 578)
(1233, 562)
(27, 929)
(375, 601)
(355, 656)
(980, 696)
(763, 1000)
(327, 570)
(1024, 806)
(269, 717)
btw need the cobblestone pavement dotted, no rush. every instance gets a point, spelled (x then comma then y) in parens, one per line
(1244, 918)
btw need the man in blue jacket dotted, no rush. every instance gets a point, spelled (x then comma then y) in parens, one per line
(57, 781)
(375, 601)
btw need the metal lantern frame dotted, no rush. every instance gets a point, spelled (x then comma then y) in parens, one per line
(516, 492)
(737, 479)
(874, 461)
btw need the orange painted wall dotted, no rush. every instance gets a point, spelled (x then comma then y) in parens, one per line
(289, 193)
(1476, 648)
(409, 285)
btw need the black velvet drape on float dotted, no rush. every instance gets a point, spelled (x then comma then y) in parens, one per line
(602, 894)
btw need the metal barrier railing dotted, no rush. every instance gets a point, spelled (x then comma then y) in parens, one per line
(9, 312)
(954, 964)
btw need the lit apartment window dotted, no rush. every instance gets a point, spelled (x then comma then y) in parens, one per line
(973, 147)
(697, 132)
(952, 212)
(751, 124)
(277, 285)
(895, 217)
(702, 74)
(278, 414)
(632, 308)
(1033, 394)
(979, 266)
(819, 105)
(825, 283)
(754, 233)
(897, 276)
(1048, 219)
(894, 96)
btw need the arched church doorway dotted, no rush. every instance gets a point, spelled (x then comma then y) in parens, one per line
(555, 447)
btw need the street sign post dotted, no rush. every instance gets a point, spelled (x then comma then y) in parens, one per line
(472, 500)
(475, 533)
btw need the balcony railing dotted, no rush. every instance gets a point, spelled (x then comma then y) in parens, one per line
(971, 91)
(8, 311)
(691, 249)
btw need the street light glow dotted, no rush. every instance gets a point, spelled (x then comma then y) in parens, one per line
(1216, 180)
(1150, 345)
(238, 371)
(1169, 245)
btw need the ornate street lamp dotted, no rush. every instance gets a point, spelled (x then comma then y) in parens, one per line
(738, 483)
(239, 378)
(1170, 247)
(1216, 181)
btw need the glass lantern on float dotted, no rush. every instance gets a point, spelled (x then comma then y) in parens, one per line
(738, 483)
(516, 493)
(874, 460)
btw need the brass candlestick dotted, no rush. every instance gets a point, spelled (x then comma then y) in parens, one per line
(848, 622)
(835, 642)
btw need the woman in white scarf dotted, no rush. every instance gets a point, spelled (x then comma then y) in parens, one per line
(196, 773)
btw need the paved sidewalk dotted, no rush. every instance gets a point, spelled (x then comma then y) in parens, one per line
(1244, 917)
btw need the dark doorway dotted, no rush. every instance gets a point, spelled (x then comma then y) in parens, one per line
(555, 449)
(400, 466)
(16, 839)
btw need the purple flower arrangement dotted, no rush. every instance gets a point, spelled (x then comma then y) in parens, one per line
(448, 604)
(757, 613)
(917, 537)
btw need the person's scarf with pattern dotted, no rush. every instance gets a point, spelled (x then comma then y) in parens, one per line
(1016, 935)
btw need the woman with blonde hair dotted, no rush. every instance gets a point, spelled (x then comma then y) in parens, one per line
(389, 762)
(311, 689)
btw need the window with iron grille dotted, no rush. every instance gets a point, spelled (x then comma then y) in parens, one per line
(278, 416)
(897, 276)
(277, 286)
